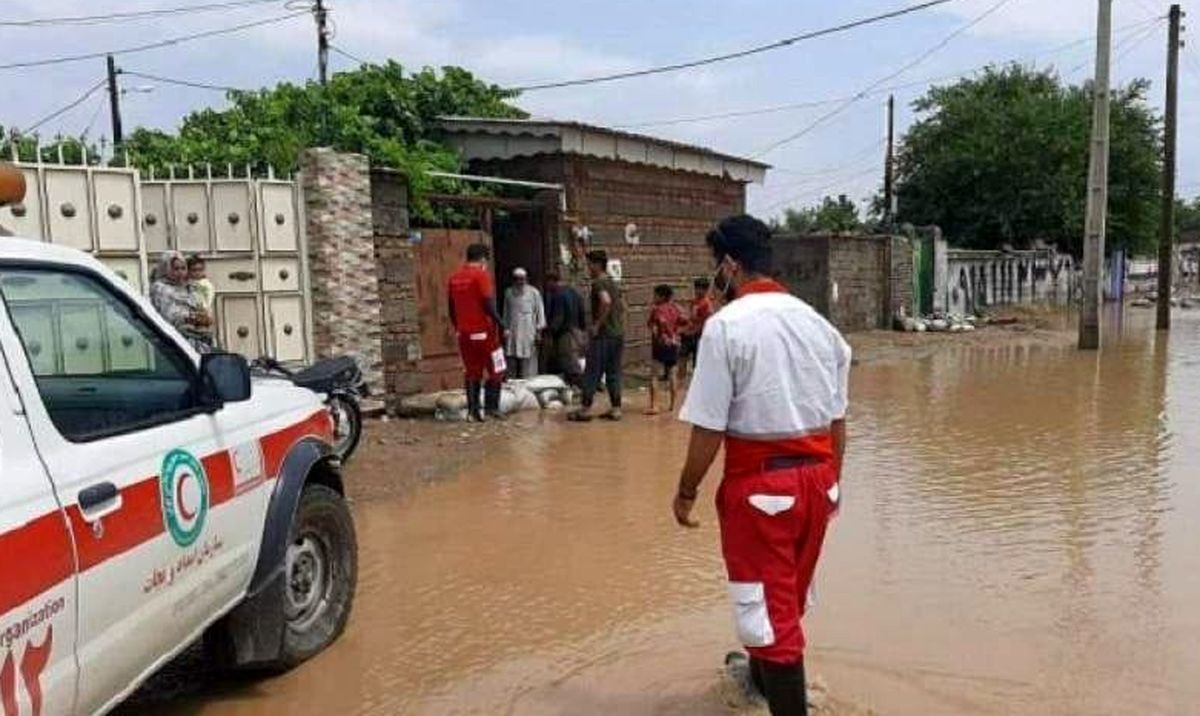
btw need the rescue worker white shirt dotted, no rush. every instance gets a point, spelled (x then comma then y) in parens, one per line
(768, 367)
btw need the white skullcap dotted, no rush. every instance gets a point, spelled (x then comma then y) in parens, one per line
(519, 273)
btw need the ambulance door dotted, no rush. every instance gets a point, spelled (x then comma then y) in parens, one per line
(139, 466)
(37, 573)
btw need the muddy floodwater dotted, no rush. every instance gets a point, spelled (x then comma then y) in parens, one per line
(1020, 534)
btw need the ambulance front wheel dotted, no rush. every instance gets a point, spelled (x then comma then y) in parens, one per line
(321, 574)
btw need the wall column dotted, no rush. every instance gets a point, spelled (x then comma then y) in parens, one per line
(341, 256)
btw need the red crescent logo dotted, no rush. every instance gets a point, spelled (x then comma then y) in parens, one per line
(187, 514)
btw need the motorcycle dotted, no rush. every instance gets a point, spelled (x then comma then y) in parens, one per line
(342, 383)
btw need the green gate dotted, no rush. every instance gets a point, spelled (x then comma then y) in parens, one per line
(922, 276)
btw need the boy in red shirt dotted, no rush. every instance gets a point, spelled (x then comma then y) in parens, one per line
(702, 310)
(479, 330)
(666, 321)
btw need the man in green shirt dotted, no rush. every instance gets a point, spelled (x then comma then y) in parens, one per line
(607, 332)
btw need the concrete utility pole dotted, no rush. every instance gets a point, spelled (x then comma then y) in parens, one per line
(1097, 198)
(1166, 237)
(114, 98)
(322, 15)
(889, 188)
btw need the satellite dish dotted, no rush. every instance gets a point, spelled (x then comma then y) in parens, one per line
(631, 234)
(12, 185)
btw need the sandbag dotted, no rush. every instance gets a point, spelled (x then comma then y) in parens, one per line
(545, 382)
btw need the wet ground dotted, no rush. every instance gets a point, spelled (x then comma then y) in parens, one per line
(1019, 535)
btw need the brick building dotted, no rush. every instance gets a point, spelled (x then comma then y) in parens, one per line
(648, 202)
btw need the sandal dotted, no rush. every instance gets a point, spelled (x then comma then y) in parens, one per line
(579, 417)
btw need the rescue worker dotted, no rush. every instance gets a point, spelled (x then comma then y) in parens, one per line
(771, 385)
(479, 330)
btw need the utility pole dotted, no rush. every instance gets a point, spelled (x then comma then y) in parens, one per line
(889, 166)
(322, 16)
(1166, 236)
(114, 98)
(1097, 198)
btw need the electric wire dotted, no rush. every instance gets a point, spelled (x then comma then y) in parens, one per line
(778, 44)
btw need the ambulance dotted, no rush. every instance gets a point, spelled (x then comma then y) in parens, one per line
(150, 497)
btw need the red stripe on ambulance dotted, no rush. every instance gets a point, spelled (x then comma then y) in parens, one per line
(36, 556)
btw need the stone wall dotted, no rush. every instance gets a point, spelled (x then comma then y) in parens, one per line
(341, 256)
(902, 279)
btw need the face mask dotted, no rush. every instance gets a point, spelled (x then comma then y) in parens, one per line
(722, 282)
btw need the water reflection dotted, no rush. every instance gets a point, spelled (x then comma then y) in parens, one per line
(1017, 535)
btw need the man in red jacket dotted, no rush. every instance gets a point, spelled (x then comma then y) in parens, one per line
(479, 330)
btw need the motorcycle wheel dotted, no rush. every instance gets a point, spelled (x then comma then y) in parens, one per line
(347, 424)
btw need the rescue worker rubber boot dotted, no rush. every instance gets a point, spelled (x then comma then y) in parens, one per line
(782, 685)
(474, 411)
(491, 401)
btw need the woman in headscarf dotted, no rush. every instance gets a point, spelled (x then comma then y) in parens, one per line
(173, 297)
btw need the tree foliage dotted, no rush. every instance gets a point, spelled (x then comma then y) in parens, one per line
(832, 215)
(1002, 158)
(378, 110)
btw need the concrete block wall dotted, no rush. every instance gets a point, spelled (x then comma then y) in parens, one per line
(341, 256)
(859, 275)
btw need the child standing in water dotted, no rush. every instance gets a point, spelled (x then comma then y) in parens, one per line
(666, 320)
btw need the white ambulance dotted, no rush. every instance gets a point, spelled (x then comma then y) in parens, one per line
(150, 496)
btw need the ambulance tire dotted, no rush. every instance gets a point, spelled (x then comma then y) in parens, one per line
(322, 566)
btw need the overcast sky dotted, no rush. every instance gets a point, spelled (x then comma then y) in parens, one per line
(525, 41)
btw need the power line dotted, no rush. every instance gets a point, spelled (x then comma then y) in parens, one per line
(771, 109)
(822, 190)
(846, 105)
(152, 45)
(132, 15)
(68, 107)
(182, 83)
(349, 56)
(95, 115)
(1136, 39)
(778, 44)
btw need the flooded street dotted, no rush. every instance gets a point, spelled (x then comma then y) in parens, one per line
(1019, 534)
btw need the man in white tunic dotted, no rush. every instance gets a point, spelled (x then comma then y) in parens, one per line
(525, 319)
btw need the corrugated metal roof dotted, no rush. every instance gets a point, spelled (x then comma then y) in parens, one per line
(581, 138)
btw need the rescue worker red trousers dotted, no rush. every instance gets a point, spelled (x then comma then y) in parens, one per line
(772, 527)
(476, 350)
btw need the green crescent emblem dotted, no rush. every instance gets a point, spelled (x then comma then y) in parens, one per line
(183, 518)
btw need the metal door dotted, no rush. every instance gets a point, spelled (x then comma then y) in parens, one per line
(68, 210)
(239, 325)
(190, 217)
(440, 253)
(285, 326)
(232, 216)
(278, 216)
(155, 217)
(116, 211)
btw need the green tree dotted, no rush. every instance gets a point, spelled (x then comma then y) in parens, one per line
(377, 110)
(1187, 217)
(1002, 159)
(832, 215)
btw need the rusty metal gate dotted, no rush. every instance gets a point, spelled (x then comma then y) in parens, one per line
(248, 231)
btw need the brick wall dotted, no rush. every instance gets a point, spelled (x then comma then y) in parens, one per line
(673, 211)
(341, 256)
